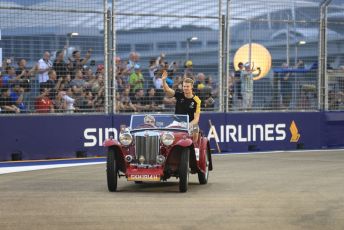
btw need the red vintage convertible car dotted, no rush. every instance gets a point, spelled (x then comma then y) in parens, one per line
(156, 148)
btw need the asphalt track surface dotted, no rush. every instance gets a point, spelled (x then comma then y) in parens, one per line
(293, 190)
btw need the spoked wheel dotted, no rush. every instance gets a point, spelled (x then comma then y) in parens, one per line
(111, 171)
(203, 177)
(184, 170)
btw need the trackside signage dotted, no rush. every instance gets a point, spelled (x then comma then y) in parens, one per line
(235, 134)
(96, 136)
(225, 133)
(262, 131)
(254, 132)
(42, 137)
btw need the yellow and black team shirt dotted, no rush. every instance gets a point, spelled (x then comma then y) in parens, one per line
(187, 106)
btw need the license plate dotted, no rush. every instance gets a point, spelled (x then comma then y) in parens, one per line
(139, 177)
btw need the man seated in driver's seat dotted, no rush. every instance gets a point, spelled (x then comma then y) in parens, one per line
(149, 120)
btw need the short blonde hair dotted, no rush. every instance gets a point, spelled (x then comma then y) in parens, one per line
(188, 80)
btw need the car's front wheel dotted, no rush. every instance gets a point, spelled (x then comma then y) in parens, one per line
(203, 177)
(111, 171)
(184, 170)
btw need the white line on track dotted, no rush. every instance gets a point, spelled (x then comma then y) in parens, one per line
(13, 169)
(5, 170)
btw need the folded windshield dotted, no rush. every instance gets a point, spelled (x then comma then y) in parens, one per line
(161, 121)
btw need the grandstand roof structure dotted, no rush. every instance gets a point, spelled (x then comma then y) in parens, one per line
(145, 14)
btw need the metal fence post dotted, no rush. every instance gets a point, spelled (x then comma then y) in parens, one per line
(106, 63)
(220, 70)
(114, 67)
(228, 57)
(322, 60)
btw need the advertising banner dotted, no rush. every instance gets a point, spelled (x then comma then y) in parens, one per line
(46, 137)
(264, 131)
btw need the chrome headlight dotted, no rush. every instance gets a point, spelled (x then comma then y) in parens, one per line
(167, 138)
(125, 138)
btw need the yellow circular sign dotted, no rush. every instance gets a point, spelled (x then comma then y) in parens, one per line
(260, 57)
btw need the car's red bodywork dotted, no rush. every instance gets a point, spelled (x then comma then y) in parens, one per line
(133, 170)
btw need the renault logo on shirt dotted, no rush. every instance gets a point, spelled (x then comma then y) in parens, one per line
(192, 105)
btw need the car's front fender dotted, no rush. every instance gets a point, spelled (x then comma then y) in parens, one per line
(111, 142)
(184, 142)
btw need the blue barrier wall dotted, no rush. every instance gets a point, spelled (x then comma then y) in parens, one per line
(44, 137)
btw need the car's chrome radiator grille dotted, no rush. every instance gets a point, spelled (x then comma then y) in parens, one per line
(147, 145)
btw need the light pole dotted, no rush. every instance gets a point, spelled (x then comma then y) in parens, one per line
(68, 37)
(188, 41)
(299, 43)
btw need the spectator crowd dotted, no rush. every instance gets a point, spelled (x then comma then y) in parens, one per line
(73, 85)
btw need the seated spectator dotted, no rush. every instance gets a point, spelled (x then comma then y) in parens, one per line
(153, 101)
(125, 104)
(169, 103)
(89, 76)
(208, 103)
(98, 85)
(68, 97)
(6, 104)
(209, 83)
(200, 81)
(139, 101)
(23, 74)
(17, 96)
(120, 86)
(60, 104)
(43, 103)
(53, 84)
(66, 82)
(178, 83)
(99, 101)
(85, 102)
(89, 101)
(78, 83)
(9, 77)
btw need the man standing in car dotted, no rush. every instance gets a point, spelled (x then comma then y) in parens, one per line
(187, 103)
